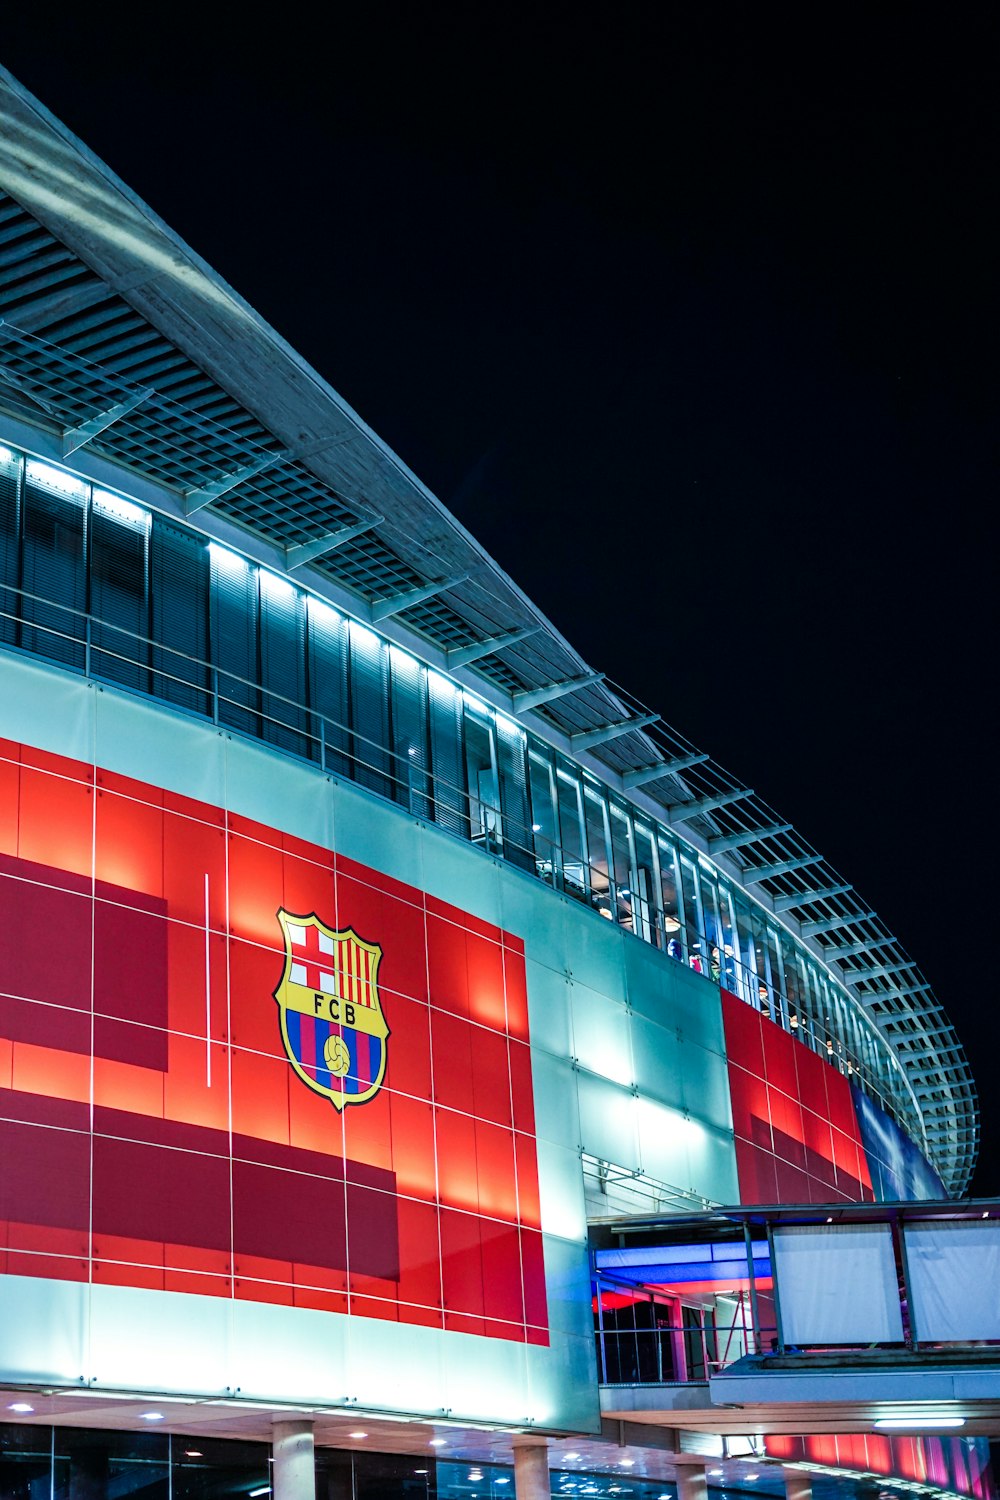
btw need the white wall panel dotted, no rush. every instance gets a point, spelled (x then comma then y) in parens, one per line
(174, 1341)
(377, 834)
(657, 1052)
(305, 800)
(567, 1278)
(549, 1009)
(44, 1331)
(608, 1121)
(560, 1181)
(602, 1040)
(556, 1111)
(448, 872)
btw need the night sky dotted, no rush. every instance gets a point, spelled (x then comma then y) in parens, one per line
(689, 314)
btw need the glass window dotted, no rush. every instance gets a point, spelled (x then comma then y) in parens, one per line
(711, 929)
(623, 877)
(369, 679)
(544, 824)
(451, 805)
(10, 545)
(53, 565)
(110, 1465)
(25, 1462)
(512, 766)
(673, 916)
(234, 638)
(205, 1468)
(484, 784)
(328, 688)
(744, 944)
(574, 858)
(119, 590)
(696, 951)
(411, 749)
(773, 978)
(599, 863)
(179, 601)
(645, 905)
(283, 664)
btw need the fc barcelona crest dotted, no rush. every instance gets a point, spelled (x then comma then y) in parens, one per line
(332, 1024)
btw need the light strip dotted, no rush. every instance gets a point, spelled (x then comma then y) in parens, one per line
(888, 1423)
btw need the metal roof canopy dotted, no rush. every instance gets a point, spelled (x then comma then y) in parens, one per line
(120, 345)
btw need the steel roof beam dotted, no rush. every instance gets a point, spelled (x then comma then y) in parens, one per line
(929, 1074)
(659, 768)
(535, 697)
(77, 437)
(881, 971)
(681, 811)
(831, 924)
(306, 552)
(805, 898)
(382, 609)
(588, 738)
(461, 656)
(726, 841)
(194, 499)
(854, 950)
(780, 867)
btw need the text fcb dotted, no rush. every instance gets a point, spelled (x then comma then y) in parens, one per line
(332, 1024)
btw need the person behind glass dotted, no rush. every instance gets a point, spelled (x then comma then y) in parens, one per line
(697, 962)
(674, 949)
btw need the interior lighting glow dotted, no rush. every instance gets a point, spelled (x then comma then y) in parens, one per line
(627, 1463)
(275, 586)
(362, 633)
(6, 455)
(357, 1434)
(225, 559)
(265, 1489)
(55, 479)
(20, 1406)
(192, 1453)
(122, 510)
(917, 1422)
(509, 724)
(569, 1457)
(151, 1416)
(322, 613)
(438, 1443)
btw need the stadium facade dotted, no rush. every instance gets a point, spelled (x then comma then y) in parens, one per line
(368, 959)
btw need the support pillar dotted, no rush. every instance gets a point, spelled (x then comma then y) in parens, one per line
(691, 1482)
(294, 1469)
(798, 1484)
(531, 1469)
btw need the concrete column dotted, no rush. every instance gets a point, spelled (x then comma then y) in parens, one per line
(798, 1484)
(531, 1469)
(294, 1469)
(691, 1482)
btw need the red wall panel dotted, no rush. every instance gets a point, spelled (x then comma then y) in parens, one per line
(155, 1134)
(797, 1138)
